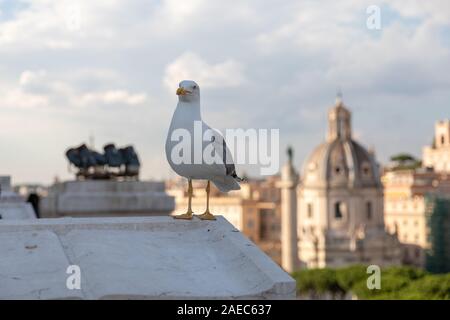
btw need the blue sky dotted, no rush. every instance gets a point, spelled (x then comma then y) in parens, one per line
(69, 69)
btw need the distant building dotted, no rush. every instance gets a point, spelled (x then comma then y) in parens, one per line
(415, 198)
(255, 209)
(405, 205)
(340, 202)
(33, 194)
(26, 189)
(106, 198)
(437, 156)
(12, 205)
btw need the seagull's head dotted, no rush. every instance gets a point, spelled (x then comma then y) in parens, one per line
(188, 91)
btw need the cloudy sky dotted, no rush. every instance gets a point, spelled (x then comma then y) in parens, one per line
(109, 68)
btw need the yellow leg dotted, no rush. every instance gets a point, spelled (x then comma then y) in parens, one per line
(207, 215)
(189, 214)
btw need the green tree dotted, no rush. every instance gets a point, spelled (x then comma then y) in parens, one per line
(436, 287)
(404, 161)
(396, 283)
(347, 277)
(403, 157)
(318, 281)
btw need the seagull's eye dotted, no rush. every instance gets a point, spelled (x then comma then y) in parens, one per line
(194, 87)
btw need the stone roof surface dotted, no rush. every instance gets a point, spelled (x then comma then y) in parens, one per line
(135, 258)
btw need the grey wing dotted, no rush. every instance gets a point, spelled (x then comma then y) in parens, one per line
(228, 160)
(220, 147)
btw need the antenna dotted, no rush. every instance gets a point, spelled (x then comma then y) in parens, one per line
(339, 92)
(338, 96)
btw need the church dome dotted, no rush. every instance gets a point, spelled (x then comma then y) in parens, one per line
(340, 161)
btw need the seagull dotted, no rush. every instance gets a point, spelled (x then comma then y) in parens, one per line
(221, 171)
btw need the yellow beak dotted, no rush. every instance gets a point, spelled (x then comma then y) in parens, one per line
(181, 92)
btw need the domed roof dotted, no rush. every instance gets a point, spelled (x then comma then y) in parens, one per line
(340, 161)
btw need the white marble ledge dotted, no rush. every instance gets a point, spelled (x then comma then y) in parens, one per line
(135, 258)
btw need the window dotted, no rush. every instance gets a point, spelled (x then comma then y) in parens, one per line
(369, 210)
(406, 254)
(310, 210)
(366, 169)
(338, 210)
(442, 139)
(337, 170)
(266, 221)
(417, 253)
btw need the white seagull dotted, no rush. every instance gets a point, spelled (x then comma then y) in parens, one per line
(187, 119)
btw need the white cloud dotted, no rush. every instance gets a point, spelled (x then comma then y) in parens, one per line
(17, 98)
(228, 73)
(316, 26)
(28, 77)
(39, 88)
(437, 11)
(113, 97)
(178, 12)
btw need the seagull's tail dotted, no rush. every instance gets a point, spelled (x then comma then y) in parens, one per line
(227, 183)
(238, 179)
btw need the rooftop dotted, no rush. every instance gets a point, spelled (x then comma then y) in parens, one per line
(140, 257)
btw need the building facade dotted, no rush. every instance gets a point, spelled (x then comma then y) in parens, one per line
(12, 204)
(410, 197)
(340, 202)
(106, 198)
(437, 156)
(413, 199)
